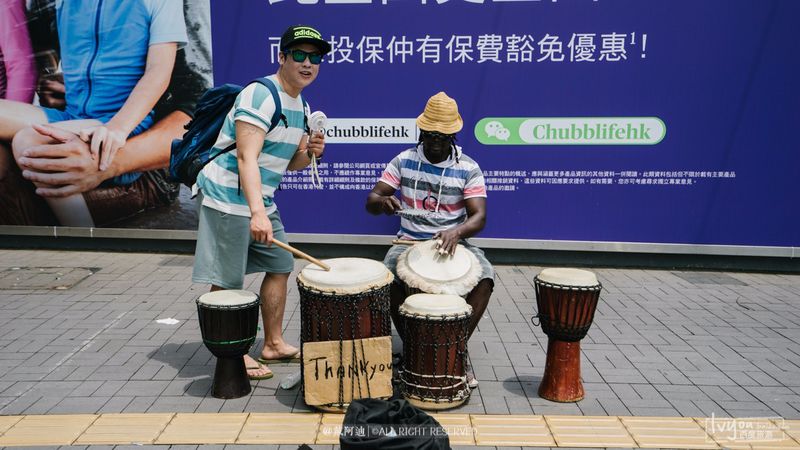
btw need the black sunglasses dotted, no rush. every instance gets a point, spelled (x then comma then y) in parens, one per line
(300, 56)
(436, 136)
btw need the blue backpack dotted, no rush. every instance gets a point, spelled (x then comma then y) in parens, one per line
(189, 155)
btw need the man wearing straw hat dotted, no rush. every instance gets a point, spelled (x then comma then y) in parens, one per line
(448, 186)
(237, 225)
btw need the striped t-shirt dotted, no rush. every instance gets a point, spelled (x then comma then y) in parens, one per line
(219, 179)
(443, 186)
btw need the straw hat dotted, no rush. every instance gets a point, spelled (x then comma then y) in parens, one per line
(441, 114)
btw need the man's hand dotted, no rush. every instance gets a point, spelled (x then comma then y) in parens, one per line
(261, 227)
(105, 138)
(390, 204)
(448, 241)
(66, 167)
(316, 144)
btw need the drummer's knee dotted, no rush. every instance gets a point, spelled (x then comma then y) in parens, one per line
(478, 298)
(481, 293)
(276, 277)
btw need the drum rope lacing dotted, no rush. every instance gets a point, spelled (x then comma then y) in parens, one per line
(379, 320)
(568, 332)
(418, 350)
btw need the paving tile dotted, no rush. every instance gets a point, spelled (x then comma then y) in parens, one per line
(662, 432)
(46, 430)
(203, 428)
(791, 427)
(79, 405)
(748, 433)
(504, 430)
(280, 428)
(7, 422)
(459, 427)
(578, 431)
(122, 429)
(330, 427)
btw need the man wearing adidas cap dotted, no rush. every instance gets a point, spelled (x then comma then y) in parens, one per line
(237, 226)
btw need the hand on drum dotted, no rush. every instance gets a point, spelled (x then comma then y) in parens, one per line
(261, 228)
(447, 241)
(390, 204)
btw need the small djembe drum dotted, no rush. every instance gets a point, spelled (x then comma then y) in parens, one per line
(228, 324)
(567, 299)
(424, 270)
(435, 350)
(351, 301)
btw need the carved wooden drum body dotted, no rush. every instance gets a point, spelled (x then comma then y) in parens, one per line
(567, 300)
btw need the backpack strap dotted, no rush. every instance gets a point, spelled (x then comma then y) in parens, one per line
(306, 112)
(278, 115)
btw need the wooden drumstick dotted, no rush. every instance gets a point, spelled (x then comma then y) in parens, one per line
(300, 254)
(404, 242)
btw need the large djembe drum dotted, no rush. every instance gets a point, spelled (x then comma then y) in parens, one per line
(567, 299)
(228, 324)
(349, 302)
(424, 270)
(435, 350)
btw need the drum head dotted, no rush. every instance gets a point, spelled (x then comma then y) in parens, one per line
(347, 275)
(568, 277)
(425, 260)
(436, 305)
(423, 268)
(227, 298)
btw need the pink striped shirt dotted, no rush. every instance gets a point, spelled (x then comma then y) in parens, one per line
(439, 189)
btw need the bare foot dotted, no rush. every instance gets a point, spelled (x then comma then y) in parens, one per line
(256, 370)
(281, 351)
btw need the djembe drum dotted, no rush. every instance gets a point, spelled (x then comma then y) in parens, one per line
(567, 299)
(351, 301)
(435, 350)
(228, 324)
(424, 270)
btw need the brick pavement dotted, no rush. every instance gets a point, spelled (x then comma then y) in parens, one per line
(83, 339)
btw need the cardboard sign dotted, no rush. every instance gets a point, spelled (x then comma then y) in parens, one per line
(363, 369)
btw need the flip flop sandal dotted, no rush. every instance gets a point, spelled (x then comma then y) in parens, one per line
(259, 377)
(288, 359)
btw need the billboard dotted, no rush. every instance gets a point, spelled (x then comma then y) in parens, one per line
(592, 120)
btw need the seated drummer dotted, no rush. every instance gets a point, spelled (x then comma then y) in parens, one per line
(437, 177)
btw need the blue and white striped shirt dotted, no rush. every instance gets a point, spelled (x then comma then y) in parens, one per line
(440, 189)
(219, 179)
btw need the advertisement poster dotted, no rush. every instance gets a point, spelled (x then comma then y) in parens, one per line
(592, 120)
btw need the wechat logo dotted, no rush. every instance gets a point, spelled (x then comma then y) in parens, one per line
(497, 130)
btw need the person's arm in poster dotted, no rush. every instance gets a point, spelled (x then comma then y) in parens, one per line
(16, 52)
(69, 164)
(112, 136)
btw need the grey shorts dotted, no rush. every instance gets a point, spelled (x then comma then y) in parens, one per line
(226, 250)
(487, 271)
